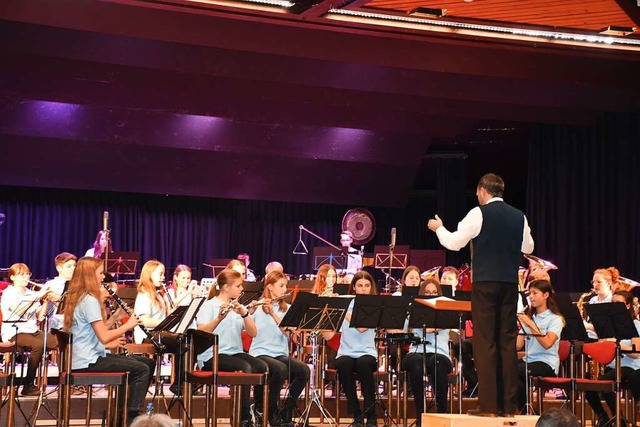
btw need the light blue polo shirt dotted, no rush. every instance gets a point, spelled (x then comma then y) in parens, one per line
(229, 330)
(270, 341)
(626, 361)
(547, 321)
(87, 348)
(354, 343)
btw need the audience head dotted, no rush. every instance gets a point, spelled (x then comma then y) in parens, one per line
(557, 417)
(155, 420)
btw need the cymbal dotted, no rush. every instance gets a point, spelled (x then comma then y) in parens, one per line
(540, 263)
(629, 282)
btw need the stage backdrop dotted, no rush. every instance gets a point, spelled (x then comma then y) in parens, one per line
(40, 223)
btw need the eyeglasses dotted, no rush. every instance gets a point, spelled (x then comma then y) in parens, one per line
(27, 275)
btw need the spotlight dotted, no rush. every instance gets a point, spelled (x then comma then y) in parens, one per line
(615, 30)
(426, 12)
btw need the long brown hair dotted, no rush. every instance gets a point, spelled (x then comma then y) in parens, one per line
(226, 277)
(362, 274)
(84, 282)
(321, 279)
(146, 286)
(271, 279)
(97, 249)
(545, 286)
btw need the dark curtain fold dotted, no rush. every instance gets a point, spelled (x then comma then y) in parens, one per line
(582, 198)
(41, 223)
(451, 200)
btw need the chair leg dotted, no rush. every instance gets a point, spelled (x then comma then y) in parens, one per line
(265, 401)
(125, 422)
(214, 404)
(337, 386)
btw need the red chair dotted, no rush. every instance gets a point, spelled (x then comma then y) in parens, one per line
(566, 351)
(603, 352)
(199, 341)
(68, 379)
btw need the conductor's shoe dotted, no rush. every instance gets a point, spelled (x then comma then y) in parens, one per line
(479, 413)
(30, 390)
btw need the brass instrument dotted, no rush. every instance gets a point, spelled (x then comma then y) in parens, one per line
(581, 302)
(159, 347)
(627, 285)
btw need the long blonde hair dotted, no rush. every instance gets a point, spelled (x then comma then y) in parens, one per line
(84, 282)
(146, 286)
(226, 277)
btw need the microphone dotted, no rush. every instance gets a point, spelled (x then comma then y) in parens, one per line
(393, 237)
(105, 220)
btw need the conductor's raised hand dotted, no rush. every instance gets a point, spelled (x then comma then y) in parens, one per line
(434, 223)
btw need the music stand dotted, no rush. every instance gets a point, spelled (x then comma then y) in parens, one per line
(328, 255)
(122, 263)
(426, 313)
(380, 312)
(310, 313)
(574, 326)
(217, 265)
(341, 288)
(251, 292)
(179, 319)
(613, 320)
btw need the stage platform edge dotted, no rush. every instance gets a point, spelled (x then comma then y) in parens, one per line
(457, 420)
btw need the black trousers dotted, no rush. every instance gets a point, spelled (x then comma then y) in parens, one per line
(364, 366)
(438, 366)
(282, 368)
(468, 366)
(593, 397)
(494, 345)
(34, 343)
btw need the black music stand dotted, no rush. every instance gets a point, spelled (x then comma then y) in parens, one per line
(315, 315)
(380, 312)
(574, 326)
(122, 263)
(423, 316)
(179, 319)
(341, 288)
(251, 291)
(21, 319)
(613, 320)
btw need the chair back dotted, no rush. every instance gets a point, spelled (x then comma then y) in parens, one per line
(199, 341)
(564, 349)
(65, 340)
(602, 352)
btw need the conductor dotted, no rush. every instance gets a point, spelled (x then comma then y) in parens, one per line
(500, 234)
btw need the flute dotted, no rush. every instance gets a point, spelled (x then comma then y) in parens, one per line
(263, 301)
(159, 347)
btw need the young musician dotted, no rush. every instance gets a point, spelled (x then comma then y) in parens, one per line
(182, 290)
(65, 263)
(358, 354)
(238, 266)
(101, 245)
(629, 364)
(152, 306)
(436, 357)
(541, 350)
(21, 310)
(223, 315)
(603, 285)
(354, 259)
(410, 279)
(84, 318)
(326, 278)
(271, 345)
(246, 259)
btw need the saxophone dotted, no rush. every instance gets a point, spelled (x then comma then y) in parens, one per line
(581, 302)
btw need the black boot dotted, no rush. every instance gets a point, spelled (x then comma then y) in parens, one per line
(286, 415)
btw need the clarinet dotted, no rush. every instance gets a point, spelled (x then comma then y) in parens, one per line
(159, 347)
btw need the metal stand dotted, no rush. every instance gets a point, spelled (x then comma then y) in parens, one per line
(42, 401)
(313, 390)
